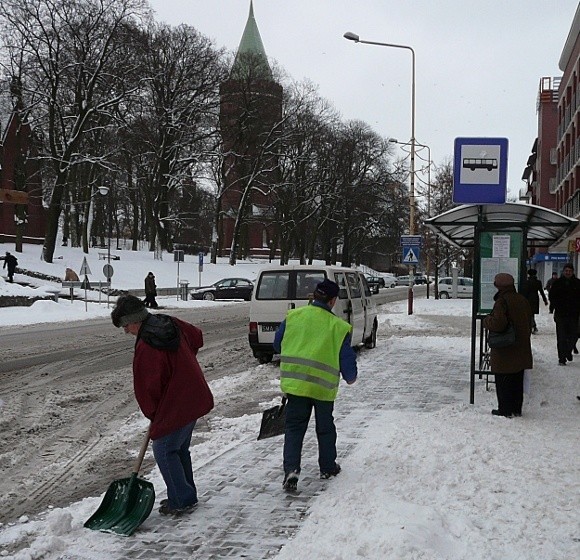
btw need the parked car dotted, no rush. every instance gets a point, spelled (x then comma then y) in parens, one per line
(464, 287)
(228, 288)
(390, 280)
(375, 282)
(421, 279)
(404, 280)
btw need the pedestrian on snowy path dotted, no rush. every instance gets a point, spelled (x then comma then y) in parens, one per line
(532, 290)
(171, 391)
(565, 297)
(150, 291)
(508, 363)
(315, 349)
(10, 262)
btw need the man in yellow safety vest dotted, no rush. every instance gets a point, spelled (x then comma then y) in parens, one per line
(315, 349)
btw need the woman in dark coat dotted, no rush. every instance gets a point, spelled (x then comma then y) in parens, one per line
(150, 291)
(532, 290)
(508, 364)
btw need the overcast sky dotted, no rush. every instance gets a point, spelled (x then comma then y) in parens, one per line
(478, 63)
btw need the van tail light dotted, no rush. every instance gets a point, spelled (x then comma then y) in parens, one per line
(253, 327)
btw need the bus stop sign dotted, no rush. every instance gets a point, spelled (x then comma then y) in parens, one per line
(480, 170)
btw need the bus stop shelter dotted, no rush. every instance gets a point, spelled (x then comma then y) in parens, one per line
(500, 236)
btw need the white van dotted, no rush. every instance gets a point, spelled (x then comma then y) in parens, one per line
(280, 288)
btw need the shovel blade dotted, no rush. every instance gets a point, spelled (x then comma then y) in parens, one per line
(127, 503)
(273, 421)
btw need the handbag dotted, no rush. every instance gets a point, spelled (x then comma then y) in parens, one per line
(273, 421)
(502, 339)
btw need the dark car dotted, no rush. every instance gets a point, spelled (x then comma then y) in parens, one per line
(228, 288)
(421, 279)
(375, 282)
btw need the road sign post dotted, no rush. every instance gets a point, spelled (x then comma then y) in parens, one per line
(200, 260)
(411, 247)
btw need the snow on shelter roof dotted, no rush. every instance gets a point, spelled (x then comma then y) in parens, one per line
(542, 227)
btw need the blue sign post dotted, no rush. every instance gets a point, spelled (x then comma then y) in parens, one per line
(480, 170)
(411, 245)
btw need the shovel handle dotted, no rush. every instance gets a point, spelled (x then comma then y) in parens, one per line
(142, 451)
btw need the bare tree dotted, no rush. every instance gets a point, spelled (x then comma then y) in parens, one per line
(178, 123)
(64, 53)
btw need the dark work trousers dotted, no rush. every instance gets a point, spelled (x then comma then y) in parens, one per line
(509, 388)
(566, 334)
(298, 410)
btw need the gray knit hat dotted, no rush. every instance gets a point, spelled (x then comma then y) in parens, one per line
(128, 309)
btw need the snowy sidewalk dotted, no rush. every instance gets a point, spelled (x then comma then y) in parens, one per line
(425, 475)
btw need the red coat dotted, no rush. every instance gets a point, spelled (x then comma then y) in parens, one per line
(170, 387)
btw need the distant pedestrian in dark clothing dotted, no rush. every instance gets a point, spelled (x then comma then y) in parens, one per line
(508, 364)
(532, 290)
(150, 291)
(549, 285)
(11, 262)
(565, 297)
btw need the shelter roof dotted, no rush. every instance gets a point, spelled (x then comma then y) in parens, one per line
(543, 227)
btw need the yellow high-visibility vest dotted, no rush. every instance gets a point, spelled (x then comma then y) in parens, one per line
(309, 361)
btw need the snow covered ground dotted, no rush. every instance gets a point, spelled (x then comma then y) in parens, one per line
(430, 476)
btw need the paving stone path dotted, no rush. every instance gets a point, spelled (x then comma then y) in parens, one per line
(243, 511)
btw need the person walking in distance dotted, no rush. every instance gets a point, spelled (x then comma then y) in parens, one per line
(315, 349)
(10, 262)
(508, 363)
(171, 391)
(150, 291)
(532, 290)
(549, 285)
(565, 297)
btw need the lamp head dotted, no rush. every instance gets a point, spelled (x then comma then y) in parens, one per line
(351, 36)
(104, 190)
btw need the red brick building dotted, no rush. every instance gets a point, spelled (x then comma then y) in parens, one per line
(250, 110)
(19, 172)
(552, 172)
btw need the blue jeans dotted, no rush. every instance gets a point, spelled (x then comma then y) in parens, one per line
(174, 461)
(298, 410)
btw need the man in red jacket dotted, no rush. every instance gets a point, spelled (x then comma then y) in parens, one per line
(171, 391)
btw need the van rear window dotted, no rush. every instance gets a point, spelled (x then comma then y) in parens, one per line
(306, 282)
(273, 285)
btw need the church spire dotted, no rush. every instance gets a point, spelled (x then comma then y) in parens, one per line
(251, 60)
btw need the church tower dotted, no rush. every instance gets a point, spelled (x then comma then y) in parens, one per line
(250, 117)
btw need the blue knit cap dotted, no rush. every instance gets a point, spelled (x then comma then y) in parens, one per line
(327, 288)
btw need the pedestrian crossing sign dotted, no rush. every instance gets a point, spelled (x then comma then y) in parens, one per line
(411, 255)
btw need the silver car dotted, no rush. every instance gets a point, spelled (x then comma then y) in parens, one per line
(464, 287)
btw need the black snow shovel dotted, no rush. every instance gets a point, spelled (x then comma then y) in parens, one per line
(127, 502)
(273, 421)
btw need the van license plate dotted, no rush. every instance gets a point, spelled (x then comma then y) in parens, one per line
(270, 327)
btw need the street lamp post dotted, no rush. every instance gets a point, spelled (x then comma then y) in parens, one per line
(354, 37)
(429, 162)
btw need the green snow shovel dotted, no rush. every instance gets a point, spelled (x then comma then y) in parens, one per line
(127, 502)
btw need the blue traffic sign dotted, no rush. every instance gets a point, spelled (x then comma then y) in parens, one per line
(411, 255)
(480, 170)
